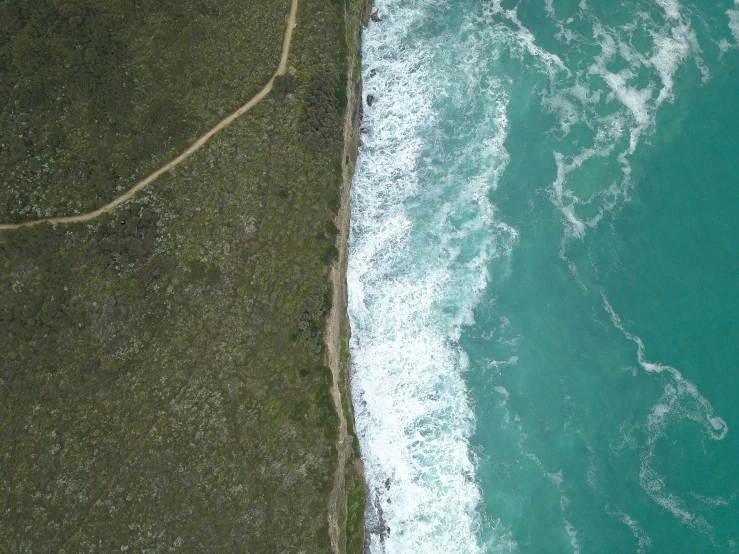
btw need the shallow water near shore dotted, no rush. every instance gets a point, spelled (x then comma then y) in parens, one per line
(542, 276)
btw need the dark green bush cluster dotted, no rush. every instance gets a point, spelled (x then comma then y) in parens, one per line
(322, 111)
(311, 316)
(329, 236)
(202, 272)
(130, 236)
(284, 84)
(30, 320)
(25, 317)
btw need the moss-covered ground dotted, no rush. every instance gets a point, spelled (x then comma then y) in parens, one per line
(162, 378)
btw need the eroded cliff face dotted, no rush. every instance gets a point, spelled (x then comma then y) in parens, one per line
(347, 503)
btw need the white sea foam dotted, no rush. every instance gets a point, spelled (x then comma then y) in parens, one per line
(520, 38)
(423, 233)
(671, 8)
(733, 14)
(567, 113)
(717, 501)
(513, 360)
(645, 543)
(557, 479)
(680, 400)
(549, 8)
(670, 51)
(565, 199)
(734, 20)
(503, 392)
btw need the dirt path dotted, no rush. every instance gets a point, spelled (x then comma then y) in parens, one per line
(126, 196)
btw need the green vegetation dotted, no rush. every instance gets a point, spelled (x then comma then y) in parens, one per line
(95, 95)
(162, 368)
(355, 486)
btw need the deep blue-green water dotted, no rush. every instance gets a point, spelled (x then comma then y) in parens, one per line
(544, 276)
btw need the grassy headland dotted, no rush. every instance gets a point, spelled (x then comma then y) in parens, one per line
(164, 379)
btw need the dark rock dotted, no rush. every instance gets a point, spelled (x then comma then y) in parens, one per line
(370, 99)
(373, 72)
(375, 16)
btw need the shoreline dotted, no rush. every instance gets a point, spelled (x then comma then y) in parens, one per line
(349, 481)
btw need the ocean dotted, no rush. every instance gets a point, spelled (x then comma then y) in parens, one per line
(544, 274)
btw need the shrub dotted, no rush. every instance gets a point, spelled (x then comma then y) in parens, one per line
(322, 112)
(284, 84)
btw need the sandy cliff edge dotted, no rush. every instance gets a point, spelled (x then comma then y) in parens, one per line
(347, 499)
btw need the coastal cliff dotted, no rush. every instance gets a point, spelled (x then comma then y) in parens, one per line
(347, 502)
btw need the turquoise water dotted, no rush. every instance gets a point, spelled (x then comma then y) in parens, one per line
(543, 276)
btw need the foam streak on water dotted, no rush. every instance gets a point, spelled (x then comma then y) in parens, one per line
(734, 20)
(681, 400)
(423, 232)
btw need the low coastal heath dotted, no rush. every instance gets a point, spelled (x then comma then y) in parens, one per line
(540, 276)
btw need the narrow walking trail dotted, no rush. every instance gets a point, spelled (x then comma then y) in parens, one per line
(80, 218)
